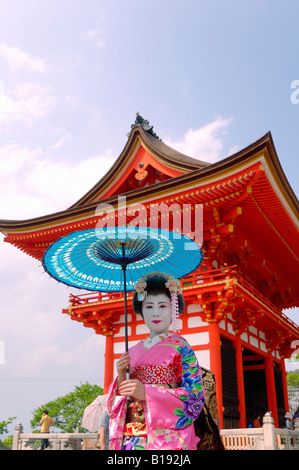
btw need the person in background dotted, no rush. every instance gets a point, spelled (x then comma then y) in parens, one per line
(104, 430)
(257, 422)
(46, 421)
(296, 416)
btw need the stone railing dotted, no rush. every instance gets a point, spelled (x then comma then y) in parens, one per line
(267, 437)
(57, 441)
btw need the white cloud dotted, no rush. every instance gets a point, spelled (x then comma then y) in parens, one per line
(22, 100)
(61, 141)
(26, 102)
(18, 60)
(71, 100)
(94, 113)
(33, 184)
(39, 340)
(97, 36)
(205, 143)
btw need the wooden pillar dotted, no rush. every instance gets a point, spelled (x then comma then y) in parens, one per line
(240, 382)
(215, 365)
(271, 390)
(108, 377)
(284, 385)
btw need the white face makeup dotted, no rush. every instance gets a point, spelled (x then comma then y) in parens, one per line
(156, 310)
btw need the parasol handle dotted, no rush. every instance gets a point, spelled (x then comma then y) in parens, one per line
(126, 317)
(124, 267)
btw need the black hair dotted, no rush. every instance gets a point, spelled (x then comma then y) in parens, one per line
(155, 285)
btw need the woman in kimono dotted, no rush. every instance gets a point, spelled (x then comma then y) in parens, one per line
(165, 386)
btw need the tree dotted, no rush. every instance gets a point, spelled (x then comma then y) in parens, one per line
(67, 411)
(293, 378)
(293, 389)
(295, 357)
(4, 429)
(4, 424)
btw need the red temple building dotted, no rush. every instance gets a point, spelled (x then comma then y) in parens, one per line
(234, 316)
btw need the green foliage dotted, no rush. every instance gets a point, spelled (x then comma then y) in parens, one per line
(293, 389)
(293, 378)
(7, 442)
(4, 430)
(4, 424)
(67, 411)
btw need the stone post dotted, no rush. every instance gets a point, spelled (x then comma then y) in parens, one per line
(77, 443)
(269, 432)
(16, 436)
(296, 438)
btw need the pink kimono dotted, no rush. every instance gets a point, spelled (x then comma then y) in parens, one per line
(168, 368)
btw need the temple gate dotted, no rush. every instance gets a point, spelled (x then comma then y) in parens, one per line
(234, 316)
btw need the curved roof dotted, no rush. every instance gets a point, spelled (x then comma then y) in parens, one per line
(167, 159)
(246, 197)
(202, 173)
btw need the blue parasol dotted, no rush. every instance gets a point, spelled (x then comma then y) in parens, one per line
(114, 258)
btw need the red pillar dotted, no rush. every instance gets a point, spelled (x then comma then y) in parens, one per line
(271, 390)
(108, 377)
(215, 365)
(240, 382)
(284, 385)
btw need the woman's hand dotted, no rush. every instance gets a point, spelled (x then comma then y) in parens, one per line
(123, 362)
(128, 387)
(122, 365)
(132, 388)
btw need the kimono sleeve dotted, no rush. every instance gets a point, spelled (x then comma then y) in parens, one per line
(176, 408)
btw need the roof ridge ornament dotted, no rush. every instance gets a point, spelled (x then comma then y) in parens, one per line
(144, 123)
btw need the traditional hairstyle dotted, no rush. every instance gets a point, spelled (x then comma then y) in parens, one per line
(156, 283)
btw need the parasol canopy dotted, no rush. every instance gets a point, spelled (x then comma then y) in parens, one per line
(93, 413)
(98, 260)
(95, 260)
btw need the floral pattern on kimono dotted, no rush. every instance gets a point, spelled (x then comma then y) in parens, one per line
(169, 412)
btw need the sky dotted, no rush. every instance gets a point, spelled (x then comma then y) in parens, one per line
(211, 77)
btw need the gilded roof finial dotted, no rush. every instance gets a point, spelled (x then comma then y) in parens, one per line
(144, 123)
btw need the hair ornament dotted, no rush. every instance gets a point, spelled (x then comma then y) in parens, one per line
(173, 285)
(140, 288)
